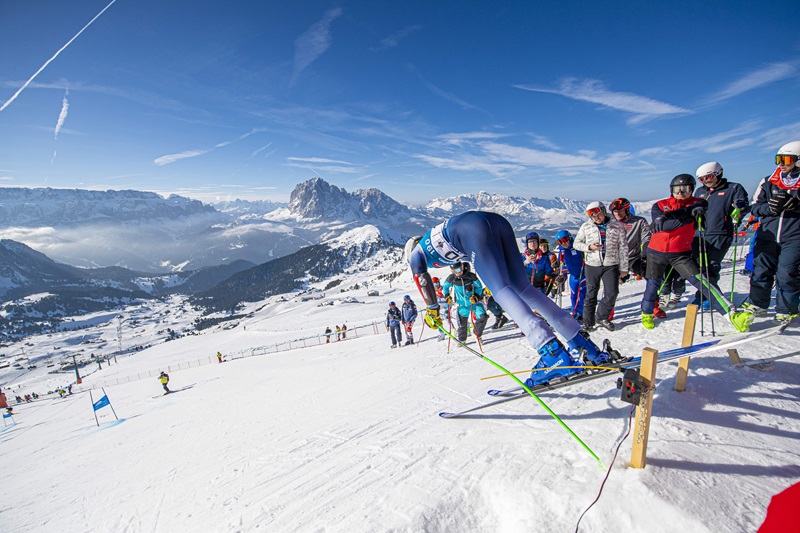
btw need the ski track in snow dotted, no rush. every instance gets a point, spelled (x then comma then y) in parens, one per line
(346, 437)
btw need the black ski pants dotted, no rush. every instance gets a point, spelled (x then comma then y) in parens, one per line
(687, 268)
(608, 276)
(777, 263)
(480, 324)
(715, 247)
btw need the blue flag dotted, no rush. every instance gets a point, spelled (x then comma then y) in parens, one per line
(99, 404)
(6, 415)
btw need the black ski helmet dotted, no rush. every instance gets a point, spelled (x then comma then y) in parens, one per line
(682, 179)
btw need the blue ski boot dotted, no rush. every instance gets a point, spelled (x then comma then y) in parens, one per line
(554, 356)
(582, 344)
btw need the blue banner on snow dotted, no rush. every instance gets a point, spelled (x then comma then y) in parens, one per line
(99, 404)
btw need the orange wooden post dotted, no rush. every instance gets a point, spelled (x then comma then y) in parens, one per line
(688, 340)
(644, 409)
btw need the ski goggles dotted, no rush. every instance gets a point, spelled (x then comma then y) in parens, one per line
(457, 270)
(708, 177)
(785, 159)
(681, 188)
(564, 242)
(594, 211)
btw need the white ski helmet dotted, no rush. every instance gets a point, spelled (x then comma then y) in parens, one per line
(410, 245)
(792, 148)
(711, 167)
(595, 205)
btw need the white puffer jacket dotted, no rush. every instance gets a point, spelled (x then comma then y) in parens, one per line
(616, 251)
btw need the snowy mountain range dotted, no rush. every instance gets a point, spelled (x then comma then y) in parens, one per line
(145, 232)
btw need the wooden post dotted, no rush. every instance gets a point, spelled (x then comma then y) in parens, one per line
(688, 340)
(733, 353)
(644, 409)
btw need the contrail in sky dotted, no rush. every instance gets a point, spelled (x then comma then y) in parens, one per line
(61, 118)
(14, 97)
(63, 115)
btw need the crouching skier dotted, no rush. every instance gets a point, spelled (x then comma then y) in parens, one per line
(487, 240)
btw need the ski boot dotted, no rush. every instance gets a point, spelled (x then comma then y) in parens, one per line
(756, 310)
(647, 321)
(741, 320)
(553, 356)
(581, 346)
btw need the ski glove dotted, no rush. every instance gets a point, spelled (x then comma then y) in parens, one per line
(448, 300)
(432, 318)
(657, 225)
(740, 204)
(779, 202)
(698, 212)
(474, 299)
(487, 293)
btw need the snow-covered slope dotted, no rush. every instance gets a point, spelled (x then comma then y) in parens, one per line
(345, 436)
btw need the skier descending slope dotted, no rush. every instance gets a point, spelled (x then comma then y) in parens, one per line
(487, 240)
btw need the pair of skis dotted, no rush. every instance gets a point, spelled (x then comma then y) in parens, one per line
(515, 393)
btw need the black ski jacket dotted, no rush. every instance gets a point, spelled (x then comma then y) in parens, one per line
(782, 228)
(721, 200)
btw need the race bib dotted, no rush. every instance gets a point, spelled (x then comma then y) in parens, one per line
(438, 250)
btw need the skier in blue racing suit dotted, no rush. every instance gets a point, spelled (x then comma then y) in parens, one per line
(487, 240)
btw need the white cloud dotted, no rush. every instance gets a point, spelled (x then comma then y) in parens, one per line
(313, 42)
(753, 80)
(390, 41)
(595, 91)
(317, 160)
(171, 158)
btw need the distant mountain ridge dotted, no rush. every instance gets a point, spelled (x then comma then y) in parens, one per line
(145, 232)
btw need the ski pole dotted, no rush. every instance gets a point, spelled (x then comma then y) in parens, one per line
(475, 327)
(736, 216)
(535, 397)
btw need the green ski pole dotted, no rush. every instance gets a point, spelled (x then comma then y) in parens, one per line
(535, 397)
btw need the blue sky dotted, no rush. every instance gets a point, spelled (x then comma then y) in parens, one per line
(245, 99)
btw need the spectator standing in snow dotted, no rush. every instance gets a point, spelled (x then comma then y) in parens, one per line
(727, 203)
(409, 313)
(469, 292)
(328, 333)
(393, 321)
(604, 244)
(344, 331)
(338, 333)
(444, 306)
(572, 264)
(674, 223)
(537, 263)
(488, 239)
(164, 379)
(777, 250)
(219, 357)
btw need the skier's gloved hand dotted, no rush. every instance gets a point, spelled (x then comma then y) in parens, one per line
(778, 201)
(624, 276)
(448, 300)
(487, 293)
(698, 212)
(740, 204)
(474, 299)
(432, 318)
(657, 225)
(559, 280)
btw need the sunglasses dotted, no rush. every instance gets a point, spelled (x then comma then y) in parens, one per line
(785, 159)
(594, 211)
(708, 177)
(681, 188)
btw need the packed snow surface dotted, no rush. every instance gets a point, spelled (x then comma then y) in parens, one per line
(346, 436)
